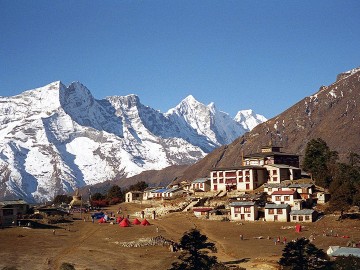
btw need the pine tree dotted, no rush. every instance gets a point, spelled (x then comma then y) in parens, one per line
(302, 255)
(318, 161)
(114, 192)
(194, 255)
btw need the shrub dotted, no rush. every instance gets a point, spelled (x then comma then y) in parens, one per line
(67, 266)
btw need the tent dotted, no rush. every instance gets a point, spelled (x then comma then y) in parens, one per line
(119, 219)
(145, 222)
(124, 223)
(136, 222)
(98, 215)
(102, 220)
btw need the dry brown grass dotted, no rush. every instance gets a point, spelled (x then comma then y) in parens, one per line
(94, 246)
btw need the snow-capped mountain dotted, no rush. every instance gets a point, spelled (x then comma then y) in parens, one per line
(248, 119)
(56, 138)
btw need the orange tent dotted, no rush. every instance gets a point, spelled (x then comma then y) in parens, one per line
(145, 222)
(124, 223)
(136, 222)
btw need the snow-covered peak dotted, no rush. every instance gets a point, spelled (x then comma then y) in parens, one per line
(56, 138)
(187, 105)
(248, 119)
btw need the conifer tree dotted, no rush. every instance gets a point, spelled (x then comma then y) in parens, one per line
(302, 255)
(194, 256)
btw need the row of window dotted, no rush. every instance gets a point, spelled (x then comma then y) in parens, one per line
(278, 211)
(301, 218)
(231, 174)
(222, 181)
(237, 215)
(245, 209)
(278, 198)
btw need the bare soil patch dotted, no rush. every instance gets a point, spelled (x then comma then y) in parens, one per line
(96, 246)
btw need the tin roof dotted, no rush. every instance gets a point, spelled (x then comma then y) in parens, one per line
(275, 185)
(239, 168)
(267, 154)
(346, 251)
(242, 204)
(302, 212)
(282, 166)
(301, 185)
(12, 202)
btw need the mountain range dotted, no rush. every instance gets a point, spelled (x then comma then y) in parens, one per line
(56, 138)
(332, 114)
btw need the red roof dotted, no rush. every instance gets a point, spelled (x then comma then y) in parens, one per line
(284, 192)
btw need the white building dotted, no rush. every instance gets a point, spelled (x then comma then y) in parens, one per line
(172, 192)
(243, 211)
(284, 197)
(271, 187)
(201, 184)
(277, 212)
(242, 178)
(304, 215)
(281, 172)
(132, 196)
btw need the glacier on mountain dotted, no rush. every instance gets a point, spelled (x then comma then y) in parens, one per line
(56, 138)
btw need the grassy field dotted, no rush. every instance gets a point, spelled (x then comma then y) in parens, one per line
(96, 246)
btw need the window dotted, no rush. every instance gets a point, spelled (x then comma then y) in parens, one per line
(270, 189)
(247, 179)
(236, 215)
(221, 180)
(275, 178)
(247, 210)
(277, 198)
(271, 211)
(287, 198)
(215, 180)
(294, 217)
(274, 172)
(237, 210)
(230, 174)
(279, 211)
(201, 185)
(307, 217)
(249, 215)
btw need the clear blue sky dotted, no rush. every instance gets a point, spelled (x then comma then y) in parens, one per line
(264, 55)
